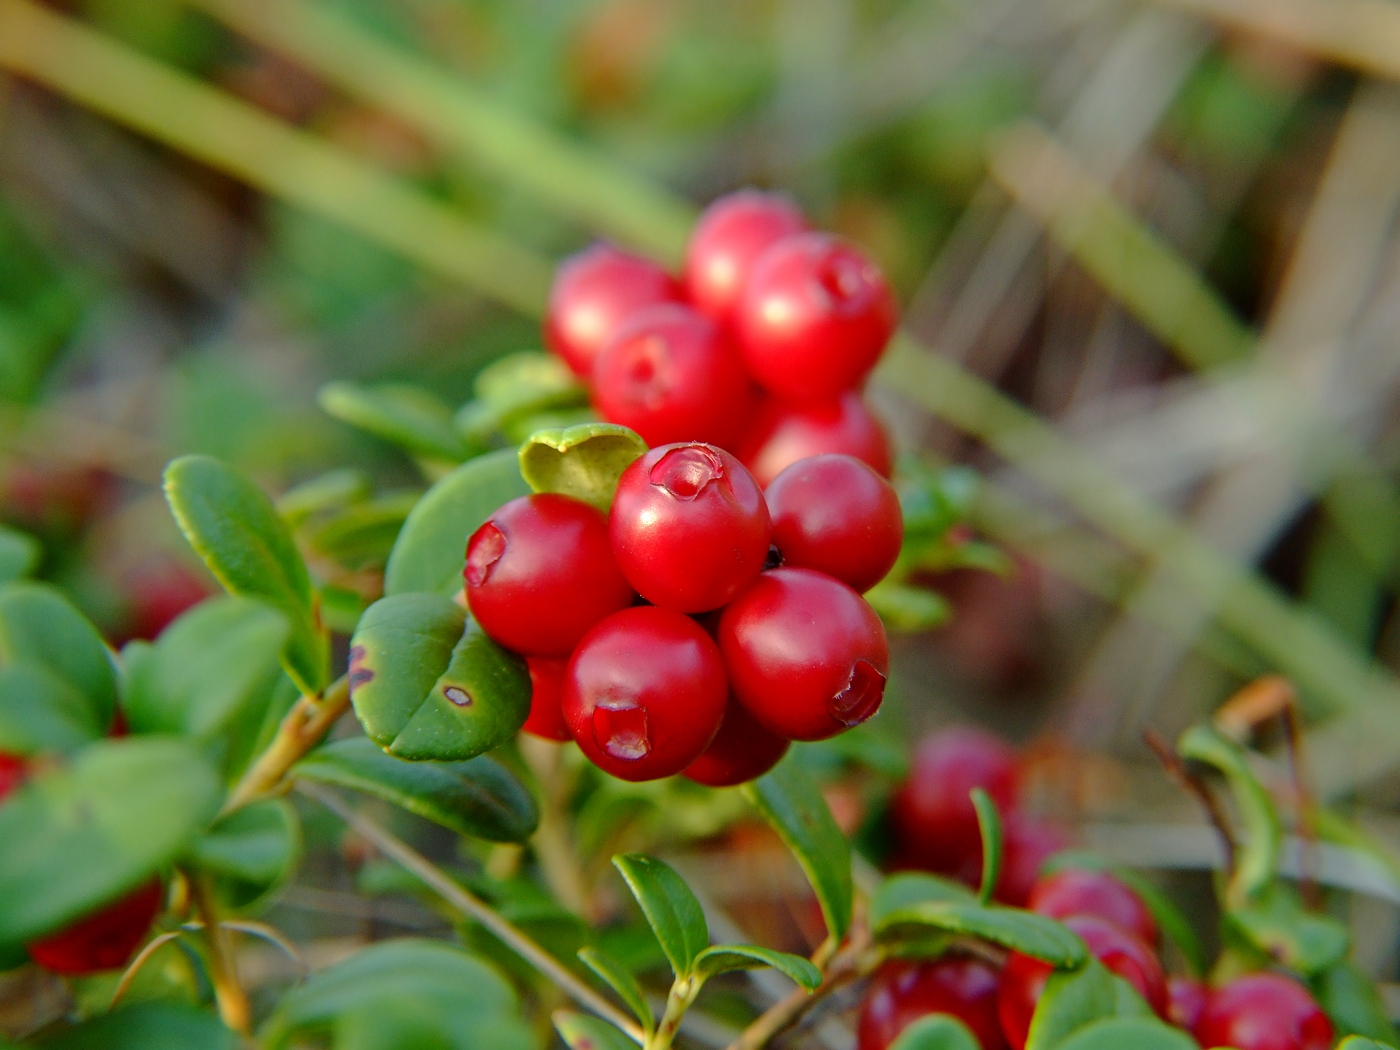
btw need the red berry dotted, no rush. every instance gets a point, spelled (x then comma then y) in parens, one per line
(815, 317)
(689, 527)
(1077, 892)
(1263, 1011)
(1186, 1001)
(901, 993)
(594, 292)
(782, 434)
(672, 374)
(805, 654)
(103, 940)
(644, 693)
(1024, 977)
(159, 591)
(1027, 844)
(12, 770)
(836, 515)
(541, 572)
(731, 234)
(740, 751)
(546, 686)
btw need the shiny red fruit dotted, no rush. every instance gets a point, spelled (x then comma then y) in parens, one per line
(1024, 977)
(740, 751)
(104, 940)
(1186, 1001)
(689, 527)
(1263, 1011)
(731, 234)
(1027, 843)
(644, 693)
(159, 591)
(805, 654)
(815, 317)
(540, 572)
(593, 293)
(902, 993)
(836, 515)
(546, 718)
(1077, 892)
(781, 434)
(12, 770)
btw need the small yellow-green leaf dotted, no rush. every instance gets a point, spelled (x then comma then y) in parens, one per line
(583, 461)
(1276, 923)
(1074, 999)
(620, 980)
(361, 536)
(936, 1032)
(582, 1032)
(914, 887)
(723, 958)
(408, 416)
(670, 909)
(989, 822)
(1122, 1033)
(40, 628)
(332, 490)
(908, 609)
(1024, 931)
(19, 554)
(1358, 1042)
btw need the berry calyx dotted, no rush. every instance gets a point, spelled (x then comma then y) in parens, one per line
(731, 234)
(12, 771)
(1078, 892)
(815, 317)
(103, 940)
(740, 751)
(1263, 1011)
(644, 693)
(805, 654)
(593, 293)
(836, 515)
(689, 527)
(781, 434)
(901, 993)
(1186, 1001)
(546, 719)
(540, 572)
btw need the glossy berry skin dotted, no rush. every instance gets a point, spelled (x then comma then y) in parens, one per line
(672, 374)
(1028, 843)
(103, 940)
(1186, 1001)
(593, 293)
(1023, 979)
(546, 719)
(805, 654)
(731, 234)
(836, 515)
(740, 751)
(540, 573)
(781, 434)
(1263, 1011)
(644, 693)
(1077, 892)
(901, 993)
(689, 527)
(815, 317)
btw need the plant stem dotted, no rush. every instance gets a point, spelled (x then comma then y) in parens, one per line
(552, 842)
(1198, 789)
(305, 724)
(850, 963)
(223, 967)
(678, 1000)
(468, 904)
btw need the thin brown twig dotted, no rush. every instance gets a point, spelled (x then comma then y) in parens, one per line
(1196, 787)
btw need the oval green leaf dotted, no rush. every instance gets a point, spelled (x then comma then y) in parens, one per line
(234, 527)
(19, 554)
(1357, 1042)
(914, 887)
(582, 461)
(362, 536)
(430, 552)
(723, 958)
(1074, 999)
(620, 980)
(407, 416)
(671, 910)
(1023, 931)
(936, 1032)
(582, 1032)
(251, 852)
(148, 1026)
(989, 823)
(1276, 923)
(332, 490)
(41, 712)
(1120, 1033)
(81, 835)
(478, 797)
(427, 683)
(41, 628)
(1352, 1001)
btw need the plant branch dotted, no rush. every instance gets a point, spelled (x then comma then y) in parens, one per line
(223, 968)
(1198, 789)
(678, 1000)
(468, 904)
(553, 844)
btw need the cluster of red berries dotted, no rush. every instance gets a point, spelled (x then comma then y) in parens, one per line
(760, 348)
(702, 624)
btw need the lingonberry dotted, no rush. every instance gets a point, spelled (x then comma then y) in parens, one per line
(594, 292)
(740, 751)
(1028, 843)
(644, 693)
(546, 718)
(836, 515)
(672, 374)
(781, 434)
(1077, 892)
(731, 234)
(814, 318)
(689, 527)
(901, 993)
(805, 654)
(540, 572)
(12, 770)
(1263, 1011)
(1023, 979)
(1186, 1001)
(103, 940)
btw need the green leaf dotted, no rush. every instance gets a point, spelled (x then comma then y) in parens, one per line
(148, 1026)
(1024, 931)
(430, 553)
(83, 834)
(40, 628)
(1074, 999)
(528, 378)
(936, 1032)
(989, 823)
(329, 491)
(1276, 923)
(252, 851)
(723, 958)
(790, 801)
(1357, 1042)
(19, 554)
(620, 980)
(479, 797)
(908, 609)
(363, 535)
(234, 527)
(1352, 1001)
(670, 909)
(427, 683)
(582, 461)
(408, 416)
(1118, 1033)
(41, 712)
(583, 1032)
(913, 887)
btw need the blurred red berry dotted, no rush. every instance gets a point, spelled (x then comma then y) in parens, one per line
(740, 751)
(901, 993)
(731, 234)
(593, 293)
(546, 689)
(103, 940)
(157, 592)
(1078, 892)
(781, 434)
(1186, 1001)
(12, 770)
(1027, 842)
(1263, 1011)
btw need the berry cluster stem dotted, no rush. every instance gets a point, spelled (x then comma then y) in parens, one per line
(223, 968)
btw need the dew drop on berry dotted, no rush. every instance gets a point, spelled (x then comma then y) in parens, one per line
(861, 696)
(684, 472)
(621, 731)
(485, 549)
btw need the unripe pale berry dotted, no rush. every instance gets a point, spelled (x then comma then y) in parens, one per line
(782, 433)
(730, 235)
(593, 293)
